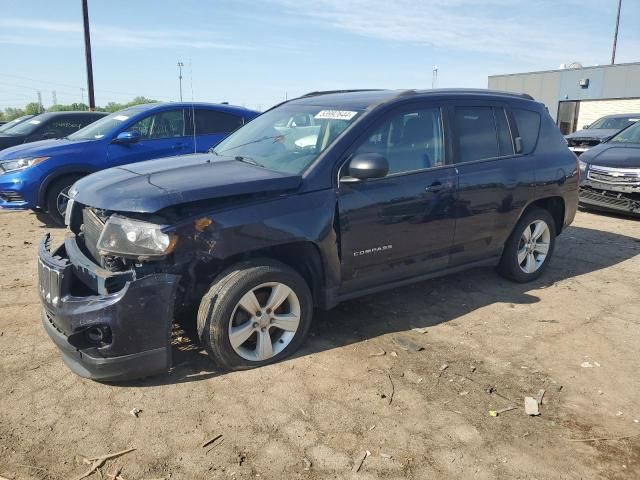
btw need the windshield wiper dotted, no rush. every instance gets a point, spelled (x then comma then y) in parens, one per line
(248, 160)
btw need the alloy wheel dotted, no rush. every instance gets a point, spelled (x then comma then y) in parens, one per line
(264, 321)
(534, 246)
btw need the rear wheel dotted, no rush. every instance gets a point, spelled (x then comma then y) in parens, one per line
(530, 247)
(58, 196)
(254, 314)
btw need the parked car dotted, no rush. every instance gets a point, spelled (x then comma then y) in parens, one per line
(38, 175)
(599, 131)
(12, 123)
(47, 126)
(398, 187)
(611, 174)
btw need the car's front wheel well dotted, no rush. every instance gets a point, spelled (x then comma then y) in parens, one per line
(49, 181)
(303, 257)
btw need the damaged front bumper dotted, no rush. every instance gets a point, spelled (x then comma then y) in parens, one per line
(108, 326)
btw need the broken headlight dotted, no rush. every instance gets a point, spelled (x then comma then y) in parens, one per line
(134, 238)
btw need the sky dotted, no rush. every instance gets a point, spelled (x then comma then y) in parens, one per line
(257, 53)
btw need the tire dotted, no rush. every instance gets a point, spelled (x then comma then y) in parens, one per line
(524, 261)
(54, 191)
(223, 315)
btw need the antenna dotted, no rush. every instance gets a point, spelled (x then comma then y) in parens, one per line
(193, 108)
(434, 78)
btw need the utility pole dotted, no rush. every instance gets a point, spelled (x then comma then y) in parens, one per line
(434, 78)
(615, 35)
(180, 65)
(87, 54)
(82, 95)
(40, 109)
(54, 97)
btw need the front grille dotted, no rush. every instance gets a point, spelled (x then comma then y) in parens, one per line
(91, 228)
(583, 142)
(615, 176)
(10, 196)
(619, 201)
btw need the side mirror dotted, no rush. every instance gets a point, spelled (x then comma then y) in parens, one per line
(586, 127)
(126, 138)
(365, 166)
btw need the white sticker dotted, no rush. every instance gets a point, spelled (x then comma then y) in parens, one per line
(634, 119)
(120, 118)
(35, 122)
(335, 115)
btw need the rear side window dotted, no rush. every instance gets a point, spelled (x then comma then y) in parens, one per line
(63, 126)
(481, 133)
(528, 123)
(210, 121)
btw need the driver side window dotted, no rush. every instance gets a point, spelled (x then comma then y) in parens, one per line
(167, 124)
(410, 140)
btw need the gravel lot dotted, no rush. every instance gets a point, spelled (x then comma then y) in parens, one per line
(575, 333)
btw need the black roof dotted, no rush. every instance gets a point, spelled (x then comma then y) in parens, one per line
(362, 99)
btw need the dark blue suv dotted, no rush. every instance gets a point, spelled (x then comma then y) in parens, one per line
(38, 175)
(321, 199)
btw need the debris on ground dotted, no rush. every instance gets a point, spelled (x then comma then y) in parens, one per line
(393, 354)
(97, 462)
(393, 389)
(473, 368)
(379, 353)
(496, 413)
(601, 439)
(463, 393)
(443, 367)
(385, 455)
(408, 345)
(135, 412)
(531, 406)
(540, 396)
(211, 440)
(357, 465)
(422, 330)
(307, 463)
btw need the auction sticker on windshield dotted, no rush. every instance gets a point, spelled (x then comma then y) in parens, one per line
(335, 115)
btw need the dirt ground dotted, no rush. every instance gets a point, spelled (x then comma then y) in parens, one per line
(575, 334)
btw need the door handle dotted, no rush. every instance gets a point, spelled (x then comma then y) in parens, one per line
(438, 186)
(178, 146)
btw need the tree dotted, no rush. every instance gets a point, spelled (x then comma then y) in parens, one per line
(33, 108)
(10, 113)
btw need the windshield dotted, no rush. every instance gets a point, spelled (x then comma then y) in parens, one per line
(613, 123)
(630, 135)
(26, 127)
(287, 138)
(14, 122)
(104, 126)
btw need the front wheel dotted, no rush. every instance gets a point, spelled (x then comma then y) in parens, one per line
(529, 248)
(254, 314)
(58, 197)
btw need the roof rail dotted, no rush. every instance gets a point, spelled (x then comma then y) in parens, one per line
(327, 92)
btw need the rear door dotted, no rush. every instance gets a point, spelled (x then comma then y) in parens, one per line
(211, 126)
(162, 134)
(494, 181)
(401, 225)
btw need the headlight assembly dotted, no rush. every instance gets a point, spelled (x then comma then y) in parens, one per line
(583, 165)
(20, 163)
(134, 238)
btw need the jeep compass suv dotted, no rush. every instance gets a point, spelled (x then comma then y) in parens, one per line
(374, 190)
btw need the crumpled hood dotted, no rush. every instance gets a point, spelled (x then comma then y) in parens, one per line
(150, 186)
(43, 148)
(596, 134)
(613, 155)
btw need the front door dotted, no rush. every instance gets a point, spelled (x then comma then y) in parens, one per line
(401, 225)
(162, 134)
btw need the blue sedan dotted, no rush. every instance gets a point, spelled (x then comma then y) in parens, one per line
(38, 175)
